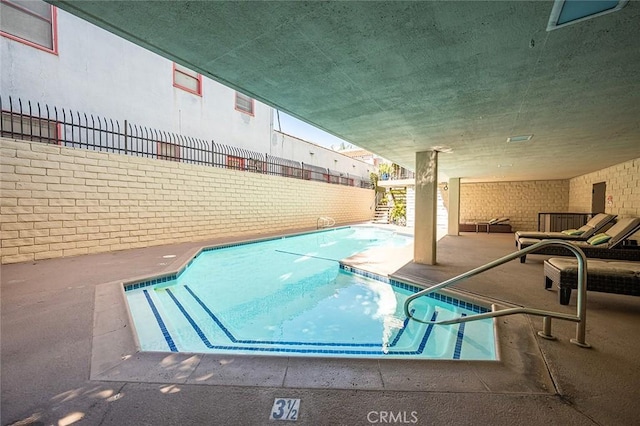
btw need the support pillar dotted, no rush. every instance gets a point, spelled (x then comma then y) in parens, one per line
(453, 215)
(425, 231)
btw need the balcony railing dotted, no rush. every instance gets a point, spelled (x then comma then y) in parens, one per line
(40, 123)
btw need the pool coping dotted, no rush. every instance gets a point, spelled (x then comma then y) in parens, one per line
(116, 356)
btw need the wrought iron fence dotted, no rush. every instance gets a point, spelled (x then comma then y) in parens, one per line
(34, 122)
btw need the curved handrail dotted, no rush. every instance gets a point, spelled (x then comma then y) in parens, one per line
(580, 316)
(325, 221)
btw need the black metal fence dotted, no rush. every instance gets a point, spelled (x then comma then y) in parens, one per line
(34, 122)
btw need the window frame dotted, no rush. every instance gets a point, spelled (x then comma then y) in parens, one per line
(198, 78)
(53, 21)
(255, 165)
(236, 163)
(252, 113)
(174, 147)
(30, 122)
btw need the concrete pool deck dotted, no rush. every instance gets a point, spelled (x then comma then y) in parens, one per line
(58, 369)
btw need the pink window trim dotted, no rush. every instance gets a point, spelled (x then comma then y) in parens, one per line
(186, 89)
(252, 113)
(177, 150)
(57, 140)
(231, 159)
(54, 30)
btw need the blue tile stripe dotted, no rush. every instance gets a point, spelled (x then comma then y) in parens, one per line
(191, 321)
(264, 240)
(147, 283)
(212, 315)
(163, 327)
(419, 350)
(426, 336)
(405, 323)
(232, 338)
(414, 289)
(459, 340)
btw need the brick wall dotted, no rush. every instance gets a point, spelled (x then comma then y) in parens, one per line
(623, 186)
(519, 201)
(59, 201)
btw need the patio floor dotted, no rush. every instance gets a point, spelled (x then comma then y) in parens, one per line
(67, 356)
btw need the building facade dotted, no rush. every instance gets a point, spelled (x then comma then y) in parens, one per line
(52, 58)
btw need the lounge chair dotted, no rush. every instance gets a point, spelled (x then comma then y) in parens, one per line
(607, 245)
(498, 224)
(609, 276)
(589, 229)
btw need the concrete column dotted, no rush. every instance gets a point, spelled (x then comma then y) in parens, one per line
(425, 231)
(454, 207)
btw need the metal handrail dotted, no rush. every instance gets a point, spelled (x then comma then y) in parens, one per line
(325, 222)
(581, 314)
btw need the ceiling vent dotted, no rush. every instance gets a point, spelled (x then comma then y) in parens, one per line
(567, 12)
(522, 138)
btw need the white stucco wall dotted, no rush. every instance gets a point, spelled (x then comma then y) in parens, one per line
(287, 146)
(96, 72)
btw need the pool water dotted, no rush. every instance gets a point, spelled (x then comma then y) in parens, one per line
(291, 297)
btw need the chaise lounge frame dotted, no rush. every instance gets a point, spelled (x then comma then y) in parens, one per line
(606, 279)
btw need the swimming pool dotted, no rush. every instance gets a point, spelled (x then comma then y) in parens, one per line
(292, 296)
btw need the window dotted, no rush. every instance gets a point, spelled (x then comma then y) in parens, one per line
(235, 162)
(255, 165)
(29, 22)
(187, 80)
(29, 128)
(168, 151)
(291, 171)
(244, 103)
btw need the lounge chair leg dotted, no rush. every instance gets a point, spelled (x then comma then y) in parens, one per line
(523, 259)
(565, 295)
(548, 283)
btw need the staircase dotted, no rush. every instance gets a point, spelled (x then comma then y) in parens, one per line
(399, 195)
(382, 213)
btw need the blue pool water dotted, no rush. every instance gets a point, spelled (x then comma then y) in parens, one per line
(290, 296)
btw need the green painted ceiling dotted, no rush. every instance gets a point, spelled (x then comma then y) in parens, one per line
(402, 77)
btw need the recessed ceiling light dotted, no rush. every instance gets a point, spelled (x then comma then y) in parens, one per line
(567, 12)
(521, 138)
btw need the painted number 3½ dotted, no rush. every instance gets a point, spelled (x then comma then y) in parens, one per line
(285, 409)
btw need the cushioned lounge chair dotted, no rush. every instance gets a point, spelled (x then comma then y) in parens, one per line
(608, 245)
(498, 224)
(609, 276)
(589, 229)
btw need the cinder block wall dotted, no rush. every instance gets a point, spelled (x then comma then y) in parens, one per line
(623, 188)
(59, 201)
(519, 201)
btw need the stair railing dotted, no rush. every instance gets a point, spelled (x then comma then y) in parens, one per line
(581, 315)
(325, 222)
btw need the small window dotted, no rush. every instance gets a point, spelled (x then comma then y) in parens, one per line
(244, 103)
(255, 165)
(290, 171)
(235, 162)
(29, 22)
(187, 80)
(168, 151)
(29, 128)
